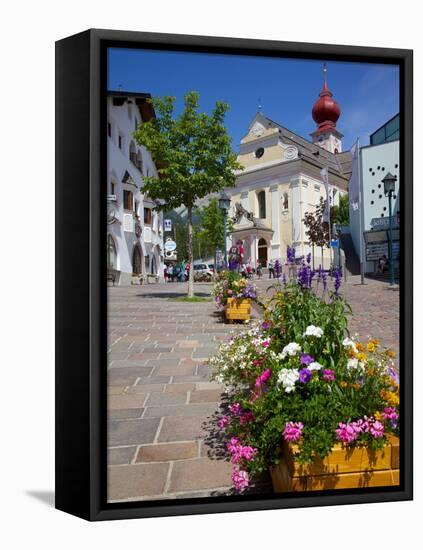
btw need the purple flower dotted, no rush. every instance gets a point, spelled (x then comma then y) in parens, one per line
(290, 254)
(305, 375)
(265, 325)
(337, 273)
(306, 359)
(321, 276)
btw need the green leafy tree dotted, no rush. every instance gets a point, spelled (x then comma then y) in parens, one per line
(210, 231)
(341, 213)
(193, 156)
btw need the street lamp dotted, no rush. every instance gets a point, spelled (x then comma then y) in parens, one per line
(389, 188)
(224, 204)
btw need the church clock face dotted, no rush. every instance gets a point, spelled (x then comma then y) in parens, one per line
(259, 152)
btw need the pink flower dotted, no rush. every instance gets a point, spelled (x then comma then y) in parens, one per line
(390, 413)
(233, 444)
(328, 375)
(263, 378)
(239, 451)
(265, 344)
(235, 409)
(347, 433)
(293, 431)
(230, 292)
(376, 429)
(223, 422)
(246, 417)
(248, 452)
(240, 479)
(254, 396)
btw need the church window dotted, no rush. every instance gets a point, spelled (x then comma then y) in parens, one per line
(261, 200)
(259, 152)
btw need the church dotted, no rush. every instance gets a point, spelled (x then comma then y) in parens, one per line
(280, 182)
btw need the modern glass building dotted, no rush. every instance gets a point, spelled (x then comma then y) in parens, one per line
(390, 131)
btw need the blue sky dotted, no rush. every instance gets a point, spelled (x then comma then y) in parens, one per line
(368, 94)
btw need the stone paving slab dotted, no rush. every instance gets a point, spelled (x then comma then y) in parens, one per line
(161, 402)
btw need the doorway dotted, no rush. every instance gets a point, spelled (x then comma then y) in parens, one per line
(136, 260)
(262, 252)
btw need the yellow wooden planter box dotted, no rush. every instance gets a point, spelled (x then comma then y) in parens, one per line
(238, 309)
(342, 469)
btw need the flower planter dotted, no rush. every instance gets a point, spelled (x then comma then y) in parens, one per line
(238, 309)
(343, 468)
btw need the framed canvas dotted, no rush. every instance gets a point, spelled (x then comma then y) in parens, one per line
(233, 275)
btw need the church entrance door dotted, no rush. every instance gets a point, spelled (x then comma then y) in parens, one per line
(262, 252)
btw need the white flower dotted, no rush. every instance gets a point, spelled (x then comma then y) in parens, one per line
(348, 343)
(291, 349)
(315, 366)
(288, 377)
(312, 330)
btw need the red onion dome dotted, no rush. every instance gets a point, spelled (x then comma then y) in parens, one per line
(326, 110)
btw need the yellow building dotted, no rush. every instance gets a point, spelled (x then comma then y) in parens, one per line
(281, 181)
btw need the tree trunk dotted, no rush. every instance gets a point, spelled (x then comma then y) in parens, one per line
(190, 256)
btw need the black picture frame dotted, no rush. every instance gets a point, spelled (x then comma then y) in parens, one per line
(80, 273)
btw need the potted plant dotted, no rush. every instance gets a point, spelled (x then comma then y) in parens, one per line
(232, 294)
(316, 408)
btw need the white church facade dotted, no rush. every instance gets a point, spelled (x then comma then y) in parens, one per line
(280, 182)
(134, 229)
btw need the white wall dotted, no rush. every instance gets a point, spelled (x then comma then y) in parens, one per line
(122, 119)
(376, 162)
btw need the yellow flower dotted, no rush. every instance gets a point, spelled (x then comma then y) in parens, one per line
(390, 353)
(371, 347)
(361, 357)
(390, 397)
(359, 346)
(343, 384)
(375, 341)
(378, 415)
(356, 386)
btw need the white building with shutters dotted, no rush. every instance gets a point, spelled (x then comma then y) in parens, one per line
(134, 229)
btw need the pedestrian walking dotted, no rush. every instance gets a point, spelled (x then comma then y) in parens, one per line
(259, 270)
(271, 269)
(170, 273)
(165, 273)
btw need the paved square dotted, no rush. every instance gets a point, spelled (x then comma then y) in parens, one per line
(161, 404)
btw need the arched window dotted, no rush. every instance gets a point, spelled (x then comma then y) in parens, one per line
(261, 201)
(285, 201)
(132, 153)
(139, 161)
(111, 253)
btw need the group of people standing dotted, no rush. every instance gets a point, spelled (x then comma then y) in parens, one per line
(176, 273)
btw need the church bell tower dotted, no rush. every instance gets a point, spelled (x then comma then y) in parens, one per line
(326, 112)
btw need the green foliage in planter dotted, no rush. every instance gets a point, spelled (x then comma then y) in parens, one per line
(299, 377)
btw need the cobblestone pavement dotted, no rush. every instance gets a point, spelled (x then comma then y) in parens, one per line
(162, 406)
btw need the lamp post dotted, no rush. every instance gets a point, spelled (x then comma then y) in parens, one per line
(389, 188)
(224, 204)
